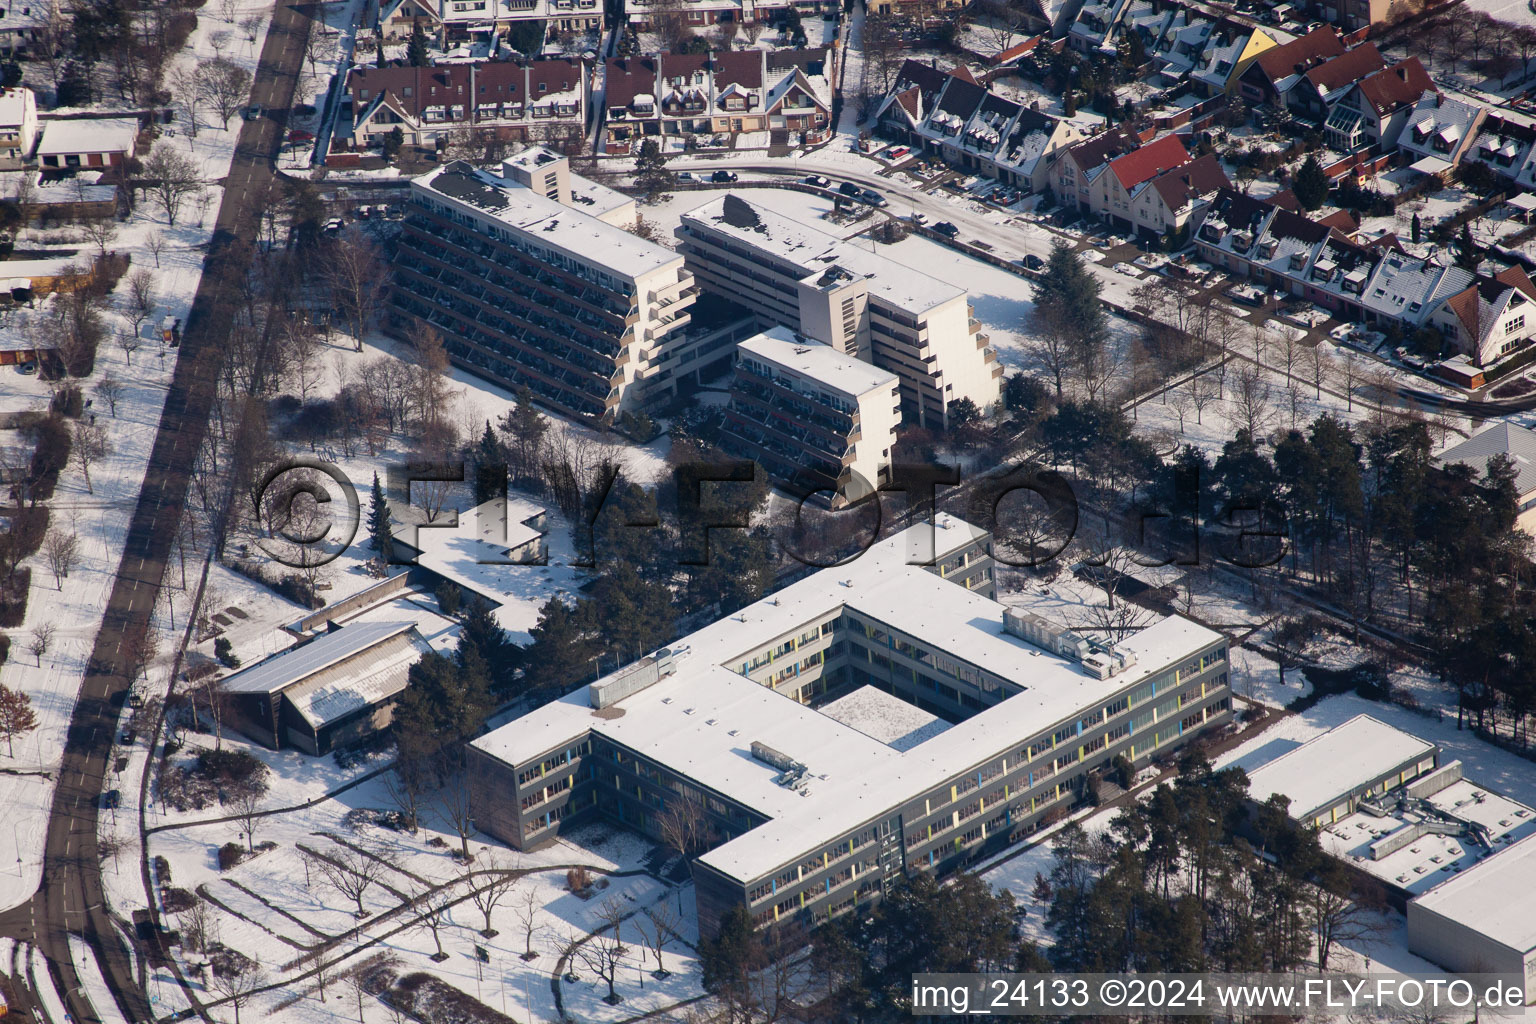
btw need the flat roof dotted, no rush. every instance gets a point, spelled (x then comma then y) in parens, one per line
(1496, 899)
(817, 361)
(88, 135)
(546, 221)
(474, 550)
(884, 717)
(702, 719)
(1323, 769)
(341, 690)
(816, 251)
(285, 668)
(1432, 859)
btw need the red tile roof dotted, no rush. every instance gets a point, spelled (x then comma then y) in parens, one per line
(1363, 60)
(1399, 85)
(493, 82)
(1152, 159)
(626, 78)
(1320, 44)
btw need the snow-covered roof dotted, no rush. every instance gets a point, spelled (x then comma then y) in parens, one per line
(1326, 768)
(544, 220)
(88, 135)
(14, 105)
(816, 361)
(285, 668)
(344, 688)
(1495, 899)
(884, 717)
(474, 549)
(701, 720)
(910, 289)
(1501, 438)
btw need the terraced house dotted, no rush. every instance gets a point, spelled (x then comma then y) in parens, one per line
(801, 809)
(531, 279)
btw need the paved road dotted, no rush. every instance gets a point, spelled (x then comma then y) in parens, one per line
(71, 900)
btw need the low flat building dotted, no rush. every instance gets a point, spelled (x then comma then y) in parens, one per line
(812, 417)
(861, 303)
(1482, 921)
(799, 816)
(328, 692)
(532, 281)
(95, 143)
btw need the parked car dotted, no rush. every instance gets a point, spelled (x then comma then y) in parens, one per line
(111, 799)
(723, 177)
(849, 189)
(946, 229)
(919, 218)
(686, 176)
(1342, 332)
(897, 152)
(872, 197)
(128, 737)
(27, 368)
(1031, 262)
(253, 111)
(817, 180)
(334, 225)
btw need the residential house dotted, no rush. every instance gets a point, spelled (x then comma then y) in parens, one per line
(451, 21)
(726, 92)
(1165, 204)
(1506, 142)
(912, 97)
(1104, 174)
(541, 101)
(1439, 132)
(18, 126)
(25, 23)
(1491, 318)
(1230, 50)
(95, 143)
(1514, 443)
(1320, 87)
(1276, 71)
(971, 127)
(1373, 110)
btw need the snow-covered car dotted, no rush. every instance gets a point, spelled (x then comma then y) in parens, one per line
(817, 180)
(1342, 332)
(1091, 256)
(1127, 269)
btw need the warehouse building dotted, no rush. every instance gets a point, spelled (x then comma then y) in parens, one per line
(1483, 920)
(739, 744)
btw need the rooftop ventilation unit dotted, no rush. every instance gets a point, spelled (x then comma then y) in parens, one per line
(631, 679)
(791, 772)
(1045, 634)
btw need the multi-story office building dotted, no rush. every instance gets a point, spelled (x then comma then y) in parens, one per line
(811, 416)
(801, 815)
(532, 279)
(861, 303)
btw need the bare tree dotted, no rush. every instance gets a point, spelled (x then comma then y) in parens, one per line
(171, 177)
(1351, 371)
(100, 230)
(683, 826)
(237, 982)
(658, 927)
(1202, 392)
(110, 390)
(317, 45)
(42, 640)
(90, 447)
(603, 954)
(351, 874)
(155, 242)
(431, 904)
(356, 272)
(453, 800)
(527, 911)
(1321, 367)
(219, 40)
(1181, 401)
(252, 25)
(62, 551)
(129, 343)
(247, 805)
(429, 375)
(139, 301)
(225, 85)
(1336, 915)
(489, 887)
(184, 91)
(1250, 400)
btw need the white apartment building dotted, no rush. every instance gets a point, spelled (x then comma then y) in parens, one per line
(812, 416)
(18, 126)
(531, 279)
(859, 302)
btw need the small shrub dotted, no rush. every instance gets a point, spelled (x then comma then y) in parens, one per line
(578, 879)
(225, 652)
(67, 401)
(232, 769)
(230, 854)
(13, 598)
(177, 901)
(162, 870)
(449, 597)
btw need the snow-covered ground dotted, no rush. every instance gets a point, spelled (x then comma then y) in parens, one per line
(99, 515)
